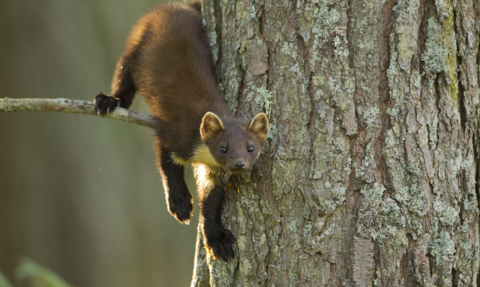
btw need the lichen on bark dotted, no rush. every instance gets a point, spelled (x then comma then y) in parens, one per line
(369, 177)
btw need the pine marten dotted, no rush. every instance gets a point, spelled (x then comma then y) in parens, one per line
(167, 58)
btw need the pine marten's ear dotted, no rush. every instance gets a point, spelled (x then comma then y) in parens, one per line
(259, 126)
(211, 124)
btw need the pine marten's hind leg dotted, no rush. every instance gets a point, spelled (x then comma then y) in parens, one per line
(123, 86)
(179, 199)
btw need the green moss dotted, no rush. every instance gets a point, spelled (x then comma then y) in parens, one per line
(440, 53)
(451, 61)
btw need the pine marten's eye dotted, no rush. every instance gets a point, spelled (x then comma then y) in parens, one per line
(223, 150)
(250, 149)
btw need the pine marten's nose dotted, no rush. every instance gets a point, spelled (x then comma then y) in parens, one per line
(239, 164)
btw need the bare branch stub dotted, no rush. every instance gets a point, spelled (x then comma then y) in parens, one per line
(75, 107)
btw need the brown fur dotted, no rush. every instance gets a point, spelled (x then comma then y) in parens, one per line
(168, 59)
(176, 76)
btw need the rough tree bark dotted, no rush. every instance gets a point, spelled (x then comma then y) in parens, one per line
(370, 175)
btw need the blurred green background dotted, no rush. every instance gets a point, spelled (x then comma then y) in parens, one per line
(81, 195)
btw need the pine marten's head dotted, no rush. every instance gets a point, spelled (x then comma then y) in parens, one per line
(234, 143)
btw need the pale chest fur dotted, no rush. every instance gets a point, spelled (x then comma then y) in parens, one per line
(201, 155)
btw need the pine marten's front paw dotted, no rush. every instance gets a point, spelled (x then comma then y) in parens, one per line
(180, 206)
(218, 241)
(105, 104)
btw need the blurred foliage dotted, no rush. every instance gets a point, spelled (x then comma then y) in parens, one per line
(38, 276)
(4, 281)
(81, 194)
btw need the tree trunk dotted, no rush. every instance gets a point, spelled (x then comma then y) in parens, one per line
(370, 174)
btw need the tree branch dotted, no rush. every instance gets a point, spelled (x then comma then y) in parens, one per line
(74, 107)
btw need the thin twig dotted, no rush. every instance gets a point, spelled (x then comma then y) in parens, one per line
(74, 107)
